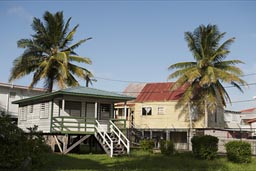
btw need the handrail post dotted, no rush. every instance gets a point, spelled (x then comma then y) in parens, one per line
(111, 149)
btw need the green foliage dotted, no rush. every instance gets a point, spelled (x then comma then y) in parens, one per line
(166, 147)
(12, 144)
(204, 75)
(239, 151)
(20, 150)
(147, 145)
(205, 147)
(37, 147)
(50, 53)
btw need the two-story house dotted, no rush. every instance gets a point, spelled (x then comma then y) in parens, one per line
(10, 92)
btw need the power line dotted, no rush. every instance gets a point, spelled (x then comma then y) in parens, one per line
(130, 81)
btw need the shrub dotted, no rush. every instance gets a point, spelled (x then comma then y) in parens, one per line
(19, 150)
(147, 145)
(166, 147)
(205, 147)
(238, 151)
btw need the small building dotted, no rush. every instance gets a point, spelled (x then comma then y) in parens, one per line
(11, 92)
(79, 111)
(156, 117)
(127, 113)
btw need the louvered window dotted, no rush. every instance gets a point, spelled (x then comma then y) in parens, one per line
(23, 113)
(44, 110)
(160, 111)
(31, 109)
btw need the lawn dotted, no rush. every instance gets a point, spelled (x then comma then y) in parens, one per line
(140, 161)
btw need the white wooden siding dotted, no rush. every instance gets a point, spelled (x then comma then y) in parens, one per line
(34, 118)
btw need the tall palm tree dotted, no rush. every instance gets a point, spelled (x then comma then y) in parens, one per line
(49, 53)
(204, 76)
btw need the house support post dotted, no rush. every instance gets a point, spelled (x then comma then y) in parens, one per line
(65, 143)
(76, 144)
(167, 135)
(151, 134)
(58, 143)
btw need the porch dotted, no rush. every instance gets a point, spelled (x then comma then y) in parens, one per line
(83, 125)
(110, 134)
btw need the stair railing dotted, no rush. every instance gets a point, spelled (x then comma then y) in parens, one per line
(105, 137)
(121, 137)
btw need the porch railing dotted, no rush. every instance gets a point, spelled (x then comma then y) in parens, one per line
(120, 123)
(72, 124)
(120, 136)
(104, 138)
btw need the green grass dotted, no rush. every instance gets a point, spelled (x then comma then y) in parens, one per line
(140, 161)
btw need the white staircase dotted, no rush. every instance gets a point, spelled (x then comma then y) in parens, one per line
(113, 141)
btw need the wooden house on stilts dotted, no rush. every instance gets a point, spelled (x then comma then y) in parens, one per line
(78, 112)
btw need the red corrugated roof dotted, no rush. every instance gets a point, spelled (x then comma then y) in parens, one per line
(156, 92)
(251, 110)
(251, 120)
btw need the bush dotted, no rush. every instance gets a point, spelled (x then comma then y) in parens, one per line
(205, 147)
(147, 145)
(239, 151)
(19, 150)
(166, 147)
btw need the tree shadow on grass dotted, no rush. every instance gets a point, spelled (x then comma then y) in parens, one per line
(134, 162)
(58, 162)
(158, 162)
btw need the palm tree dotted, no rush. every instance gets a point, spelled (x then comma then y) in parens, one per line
(204, 76)
(48, 55)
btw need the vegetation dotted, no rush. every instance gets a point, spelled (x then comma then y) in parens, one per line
(49, 53)
(205, 147)
(141, 161)
(167, 147)
(19, 150)
(204, 76)
(239, 151)
(147, 145)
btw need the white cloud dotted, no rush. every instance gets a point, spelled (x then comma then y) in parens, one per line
(20, 12)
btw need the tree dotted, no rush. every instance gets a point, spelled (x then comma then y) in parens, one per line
(204, 76)
(48, 55)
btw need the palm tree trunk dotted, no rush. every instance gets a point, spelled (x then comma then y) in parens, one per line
(205, 114)
(190, 127)
(50, 86)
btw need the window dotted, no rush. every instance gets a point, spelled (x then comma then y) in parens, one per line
(146, 111)
(105, 111)
(73, 108)
(12, 95)
(160, 110)
(23, 113)
(31, 109)
(44, 110)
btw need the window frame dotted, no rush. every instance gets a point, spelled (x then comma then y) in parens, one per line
(44, 111)
(160, 112)
(144, 109)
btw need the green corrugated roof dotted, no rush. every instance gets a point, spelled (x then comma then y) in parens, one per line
(77, 91)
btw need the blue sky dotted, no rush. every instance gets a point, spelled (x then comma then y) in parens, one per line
(136, 40)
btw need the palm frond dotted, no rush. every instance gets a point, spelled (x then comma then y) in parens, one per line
(80, 59)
